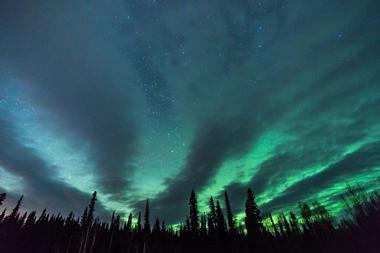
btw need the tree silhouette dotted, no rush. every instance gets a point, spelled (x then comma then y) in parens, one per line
(320, 232)
(253, 219)
(211, 221)
(14, 214)
(230, 217)
(194, 218)
(294, 223)
(156, 226)
(129, 223)
(220, 222)
(138, 225)
(147, 217)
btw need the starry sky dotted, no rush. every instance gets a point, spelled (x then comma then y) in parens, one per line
(149, 99)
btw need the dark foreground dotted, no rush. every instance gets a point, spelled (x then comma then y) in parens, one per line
(312, 229)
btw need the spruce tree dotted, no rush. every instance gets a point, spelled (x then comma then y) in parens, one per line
(194, 218)
(14, 214)
(83, 220)
(163, 226)
(211, 221)
(156, 226)
(220, 222)
(286, 223)
(294, 223)
(306, 214)
(203, 227)
(277, 234)
(91, 209)
(138, 225)
(129, 223)
(230, 217)
(253, 219)
(147, 217)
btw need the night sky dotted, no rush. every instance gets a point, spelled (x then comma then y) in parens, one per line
(149, 99)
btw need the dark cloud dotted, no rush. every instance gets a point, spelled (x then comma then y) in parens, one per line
(213, 144)
(235, 70)
(63, 56)
(40, 186)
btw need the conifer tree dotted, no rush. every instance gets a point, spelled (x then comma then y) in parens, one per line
(220, 222)
(253, 219)
(203, 227)
(306, 215)
(14, 214)
(286, 223)
(211, 221)
(30, 220)
(22, 219)
(83, 220)
(156, 226)
(294, 223)
(43, 216)
(281, 225)
(187, 224)
(194, 218)
(117, 223)
(273, 225)
(230, 217)
(147, 217)
(163, 226)
(129, 223)
(91, 209)
(138, 225)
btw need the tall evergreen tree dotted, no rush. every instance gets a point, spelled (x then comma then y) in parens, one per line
(91, 209)
(203, 226)
(147, 217)
(253, 219)
(138, 225)
(14, 214)
(286, 223)
(294, 223)
(30, 220)
(194, 218)
(230, 217)
(156, 226)
(43, 216)
(306, 214)
(274, 227)
(163, 226)
(211, 221)
(129, 223)
(220, 222)
(83, 220)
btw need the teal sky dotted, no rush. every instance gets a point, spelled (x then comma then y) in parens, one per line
(150, 99)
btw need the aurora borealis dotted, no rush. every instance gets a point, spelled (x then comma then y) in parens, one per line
(150, 99)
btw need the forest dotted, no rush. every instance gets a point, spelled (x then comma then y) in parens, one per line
(309, 228)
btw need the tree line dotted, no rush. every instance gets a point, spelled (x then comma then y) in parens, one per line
(312, 228)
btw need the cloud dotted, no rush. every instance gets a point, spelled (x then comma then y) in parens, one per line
(235, 107)
(234, 69)
(41, 188)
(64, 56)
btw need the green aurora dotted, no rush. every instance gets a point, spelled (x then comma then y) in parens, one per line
(150, 99)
